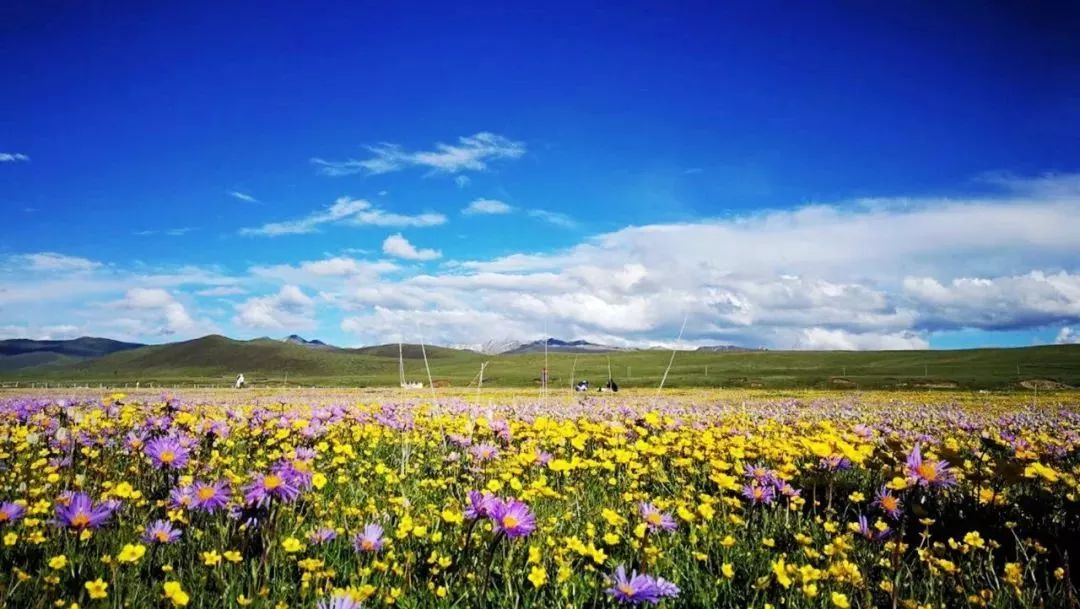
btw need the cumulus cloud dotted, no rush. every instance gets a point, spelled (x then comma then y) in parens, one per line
(398, 246)
(326, 272)
(13, 157)
(288, 309)
(155, 311)
(470, 153)
(486, 206)
(354, 212)
(873, 273)
(1068, 336)
(57, 332)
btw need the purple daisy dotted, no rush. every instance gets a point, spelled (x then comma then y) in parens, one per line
(210, 497)
(759, 495)
(10, 512)
(182, 497)
(655, 519)
(484, 452)
(81, 513)
(371, 540)
(480, 505)
(322, 535)
(338, 601)
(928, 474)
(161, 531)
(633, 589)
(889, 503)
(167, 453)
(513, 518)
(265, 487)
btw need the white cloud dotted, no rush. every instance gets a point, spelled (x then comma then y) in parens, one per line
(326, 273)
(1068, 336)
(155, 311)
(470, 153)
(52, 262)
(168, 232)
(999, 303)
(397, 245)
(462, 181)
(487, 206)
(243, 196)
(553, 217)
(289, 309)
(355, 212)
(12, 157)
(58, 332)
(821, 339)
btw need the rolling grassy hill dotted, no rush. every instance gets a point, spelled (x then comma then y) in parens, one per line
(20, 353)
(216, 359)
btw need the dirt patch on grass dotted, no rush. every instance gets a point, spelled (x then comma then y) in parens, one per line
(1044, 384)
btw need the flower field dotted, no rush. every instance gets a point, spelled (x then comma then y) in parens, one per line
(694, 499)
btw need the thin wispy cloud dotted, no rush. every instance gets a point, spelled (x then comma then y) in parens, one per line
(168, 232)
(462, 181)
(354, 212)
(470, 153)
(397, 245)
(487, 206)
(13, 157)
(553, 217)
(243, 196)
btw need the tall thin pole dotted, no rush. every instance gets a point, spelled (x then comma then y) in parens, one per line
(673, 350)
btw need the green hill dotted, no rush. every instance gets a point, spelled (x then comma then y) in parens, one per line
(18, 353)
(216, 359)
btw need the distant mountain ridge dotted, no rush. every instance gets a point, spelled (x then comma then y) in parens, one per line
(19, 353)
(555, 345)
(296, 339)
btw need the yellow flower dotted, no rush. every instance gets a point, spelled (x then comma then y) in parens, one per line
(131, 553)
(97, 589)
(232, 556)
(318, 480)
(840, 600)
(11, 538)
(176, 594)
(538, 576)
(728, 570)
(292, 545)
(211, 558)
(58, 562)
(780, 570)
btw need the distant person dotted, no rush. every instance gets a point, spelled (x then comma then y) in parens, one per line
(240, 383)
(582, 386)
(610, 386)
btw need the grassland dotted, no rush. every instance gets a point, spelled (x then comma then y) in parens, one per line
(217, 360)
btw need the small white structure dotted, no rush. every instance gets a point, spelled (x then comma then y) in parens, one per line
(240, 383)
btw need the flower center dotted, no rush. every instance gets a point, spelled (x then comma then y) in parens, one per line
(367, 544)
(510, 522)
(627, 589)
(4, 516)
(927, 471)
(889, 503)
(81, 519)
(653, 518)
(271, 482)
(162, 536)
(167, 456)
(205, 493)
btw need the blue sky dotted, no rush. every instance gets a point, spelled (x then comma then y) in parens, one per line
(853, 176)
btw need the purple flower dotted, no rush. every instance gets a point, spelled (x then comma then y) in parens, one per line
(666, 589)
(758, 495)
(338, 601)
(371, 540)
(655, 519)
(513, 518)
(322, 535)
(865, 531)
(161, 531)
(182, 497)
(484, 452)
(834, 463)
(263, 488)
(928, 474)
(480, 505)
(10, 512)
(889, 503)
(543, 457)
(167, 453)
(80, 512)
(210, 497)
(634, 589)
